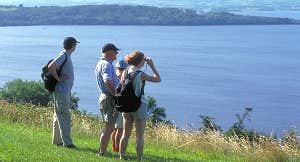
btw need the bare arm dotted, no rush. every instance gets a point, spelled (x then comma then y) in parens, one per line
(53, 71)
(111, 87)
(155, 77)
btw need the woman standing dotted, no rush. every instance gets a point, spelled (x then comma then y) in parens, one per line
(136, 60)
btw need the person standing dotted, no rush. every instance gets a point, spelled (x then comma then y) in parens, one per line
(107, 81)
(136, 60)
(62, 94)
(116, 135)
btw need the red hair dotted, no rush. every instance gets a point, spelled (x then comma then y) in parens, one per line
(135, 58)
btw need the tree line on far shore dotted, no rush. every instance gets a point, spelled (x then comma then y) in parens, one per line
(124, 15)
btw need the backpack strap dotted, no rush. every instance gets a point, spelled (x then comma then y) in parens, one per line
(128, 76)
(143, 83)
(125, 73)
(143, 87)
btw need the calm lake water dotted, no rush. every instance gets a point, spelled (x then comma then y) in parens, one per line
(208, 70)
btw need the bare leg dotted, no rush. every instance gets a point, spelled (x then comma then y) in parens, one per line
(127, 127)
(113, 138)
(104, 137)
(118, 136)
(140, 128)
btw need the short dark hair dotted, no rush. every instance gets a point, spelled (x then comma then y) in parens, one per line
(69, 46)
(69, 43)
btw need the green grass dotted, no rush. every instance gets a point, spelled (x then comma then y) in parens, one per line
(22, 143)
(26, 130)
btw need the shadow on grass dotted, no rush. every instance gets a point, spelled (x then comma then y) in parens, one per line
(86, 149)
(132, 157)
(153, 158)
(95, 151)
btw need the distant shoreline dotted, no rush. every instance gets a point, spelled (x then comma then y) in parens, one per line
(157, 25)
(127, 15)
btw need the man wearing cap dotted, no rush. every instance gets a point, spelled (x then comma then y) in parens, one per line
(107, 81)
(62, 94)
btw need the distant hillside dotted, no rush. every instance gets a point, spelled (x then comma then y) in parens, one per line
(207, 5)
(124, 15)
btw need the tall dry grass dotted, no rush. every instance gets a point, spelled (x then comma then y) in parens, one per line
(263, 149)
(82, 124)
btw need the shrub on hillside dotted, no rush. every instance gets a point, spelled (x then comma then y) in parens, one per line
(33, 92)
(238, 128)
(209, 124)
(157, 115)
(19, 91)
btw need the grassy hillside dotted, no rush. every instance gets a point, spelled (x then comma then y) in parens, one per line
(25, 135)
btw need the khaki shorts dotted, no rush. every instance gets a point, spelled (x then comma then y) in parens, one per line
(107, 108)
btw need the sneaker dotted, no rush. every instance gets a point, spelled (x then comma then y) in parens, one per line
(58, 144)
(71, 146)
(98, 153)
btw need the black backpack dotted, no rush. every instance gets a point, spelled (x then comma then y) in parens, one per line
(125, 98)
(48, 79)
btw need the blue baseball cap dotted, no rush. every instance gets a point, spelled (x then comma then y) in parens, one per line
(121, 64)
